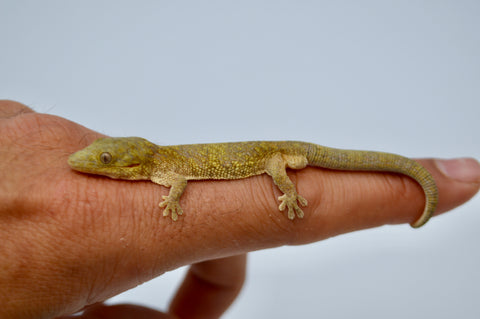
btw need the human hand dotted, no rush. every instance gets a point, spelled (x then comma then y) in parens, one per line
(70, 240)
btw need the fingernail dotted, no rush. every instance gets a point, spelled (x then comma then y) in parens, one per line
(462, 169)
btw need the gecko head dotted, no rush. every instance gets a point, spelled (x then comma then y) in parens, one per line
(115, 157)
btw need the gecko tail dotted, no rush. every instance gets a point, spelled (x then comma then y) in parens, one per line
(339, 159)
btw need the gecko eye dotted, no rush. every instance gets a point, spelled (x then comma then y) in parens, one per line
(105, 158)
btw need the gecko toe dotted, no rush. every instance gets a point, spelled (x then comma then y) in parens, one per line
(299, 212)
(302, 200)
(291, 214)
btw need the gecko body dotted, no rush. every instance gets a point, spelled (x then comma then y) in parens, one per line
(135, 158)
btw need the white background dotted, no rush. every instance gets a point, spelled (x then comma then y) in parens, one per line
(397, 76)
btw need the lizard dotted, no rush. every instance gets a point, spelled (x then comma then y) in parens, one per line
(135, 158)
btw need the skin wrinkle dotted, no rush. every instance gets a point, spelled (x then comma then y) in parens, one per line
(399, 187)
(265, 192)
(34, 128)
(34, 258)
(208, 231)
(406, 188)
(130, 230)
(11, 109)
(6, 189)
(257, 182)
(96, 220)
(358, 196)
(209, 223)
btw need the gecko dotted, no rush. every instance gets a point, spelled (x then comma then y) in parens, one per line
(135, 158)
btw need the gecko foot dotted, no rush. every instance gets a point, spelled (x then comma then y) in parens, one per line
(171, 207)
(290, 202)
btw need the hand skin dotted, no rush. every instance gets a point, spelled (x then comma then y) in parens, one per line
(68, 241)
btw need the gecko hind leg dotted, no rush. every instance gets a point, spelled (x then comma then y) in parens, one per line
(276, 168)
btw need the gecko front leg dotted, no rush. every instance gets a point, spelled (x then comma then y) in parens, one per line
(276, 168)
(177, 184)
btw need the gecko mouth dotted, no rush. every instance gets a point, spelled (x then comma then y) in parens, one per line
(132, 165)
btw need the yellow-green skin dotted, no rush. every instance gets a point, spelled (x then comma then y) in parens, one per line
(135, 158)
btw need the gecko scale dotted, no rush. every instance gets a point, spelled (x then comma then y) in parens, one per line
(135, 158)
